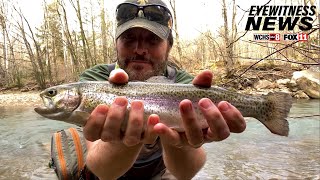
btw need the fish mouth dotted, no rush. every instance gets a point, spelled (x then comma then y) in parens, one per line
(50, 113)
(49, 110)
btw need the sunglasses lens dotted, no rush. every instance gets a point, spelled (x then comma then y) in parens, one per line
(126, 12)
(157, 13)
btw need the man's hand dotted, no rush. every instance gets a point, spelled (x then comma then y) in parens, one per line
(222, 120)
(183, 154)
(107, 123)
(118, 76)
(112, 144)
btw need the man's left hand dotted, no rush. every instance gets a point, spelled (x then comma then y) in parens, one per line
(222, 119)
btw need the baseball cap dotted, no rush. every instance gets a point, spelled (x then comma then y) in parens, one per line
(152, 15)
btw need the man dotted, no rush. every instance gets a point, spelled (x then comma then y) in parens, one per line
(150, 150)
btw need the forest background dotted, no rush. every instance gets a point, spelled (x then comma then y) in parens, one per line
(69, 36)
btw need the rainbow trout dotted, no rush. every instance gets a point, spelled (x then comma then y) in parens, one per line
(74, 102)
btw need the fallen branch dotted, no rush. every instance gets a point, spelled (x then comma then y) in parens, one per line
(285, 47)
(304, 116)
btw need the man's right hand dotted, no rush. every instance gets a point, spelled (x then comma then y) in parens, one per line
(106, 123)
(108, 143)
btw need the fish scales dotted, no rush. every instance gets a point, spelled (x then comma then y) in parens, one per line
(162, 99)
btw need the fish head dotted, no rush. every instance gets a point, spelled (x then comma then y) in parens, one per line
(59, 102)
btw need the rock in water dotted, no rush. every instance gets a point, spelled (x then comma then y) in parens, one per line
(308, 81)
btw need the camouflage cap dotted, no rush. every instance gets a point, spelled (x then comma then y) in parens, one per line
(161, 30)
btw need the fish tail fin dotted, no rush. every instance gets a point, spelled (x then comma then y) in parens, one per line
(278, 107)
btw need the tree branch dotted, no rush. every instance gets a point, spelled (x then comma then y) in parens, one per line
(246, 31)
(285, 47)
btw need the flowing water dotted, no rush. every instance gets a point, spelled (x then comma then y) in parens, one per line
(255, 154)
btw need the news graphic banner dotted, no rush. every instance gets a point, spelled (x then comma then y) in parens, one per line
(278, 20)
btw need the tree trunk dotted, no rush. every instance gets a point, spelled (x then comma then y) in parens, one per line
(234, 32)
(85, 45)
(38, 58)
(46, 50)
(104, 33)
(228, 60)
(94, 57)
(173, 6)
(36, 70)
(3, 65)
(70, 46)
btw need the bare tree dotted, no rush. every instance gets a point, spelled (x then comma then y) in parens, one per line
(35, 57)
(228, 59)
(173, 6)
(55, 48)
(104, 33)
(46, 39)
(9, 70)
(94, 56)
(3, 25)
(70, 46)
(86, 52)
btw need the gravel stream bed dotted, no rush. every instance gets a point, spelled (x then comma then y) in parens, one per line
(19, 98)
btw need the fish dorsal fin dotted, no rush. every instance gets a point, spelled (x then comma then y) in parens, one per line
(160, 79)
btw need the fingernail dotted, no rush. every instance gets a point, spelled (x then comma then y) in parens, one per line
(101, 109)
(187, 107)
(224, 106)
(115, 71)
(206, 103)
(112, 73)
(120, 101)
(136, 105)
(153, 119)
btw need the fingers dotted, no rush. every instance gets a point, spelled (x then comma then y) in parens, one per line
(168, 135)
(149, 135)
(114, 119)
(106, 123)
(193, 130)
(93, 127)
(204, 79)
(135, 124)
(114, 124)
(232, 116)
(222, 120)
(218, 127)
(118, 76)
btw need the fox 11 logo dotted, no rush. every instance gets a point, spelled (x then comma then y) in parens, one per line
(273, 17)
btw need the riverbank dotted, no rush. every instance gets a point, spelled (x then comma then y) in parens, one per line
(17, 98)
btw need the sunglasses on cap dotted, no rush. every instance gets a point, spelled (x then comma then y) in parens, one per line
(153, 12)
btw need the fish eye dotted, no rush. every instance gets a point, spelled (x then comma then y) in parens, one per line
(52, 92)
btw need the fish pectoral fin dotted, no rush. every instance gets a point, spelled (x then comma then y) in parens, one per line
(160, 79)
(79, 117)
(82, 114)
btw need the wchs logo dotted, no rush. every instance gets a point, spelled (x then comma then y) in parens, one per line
(278, 37)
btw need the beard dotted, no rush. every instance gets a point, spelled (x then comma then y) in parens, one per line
(137, 72)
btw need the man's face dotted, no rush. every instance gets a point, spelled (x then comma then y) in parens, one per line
(142, 54)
